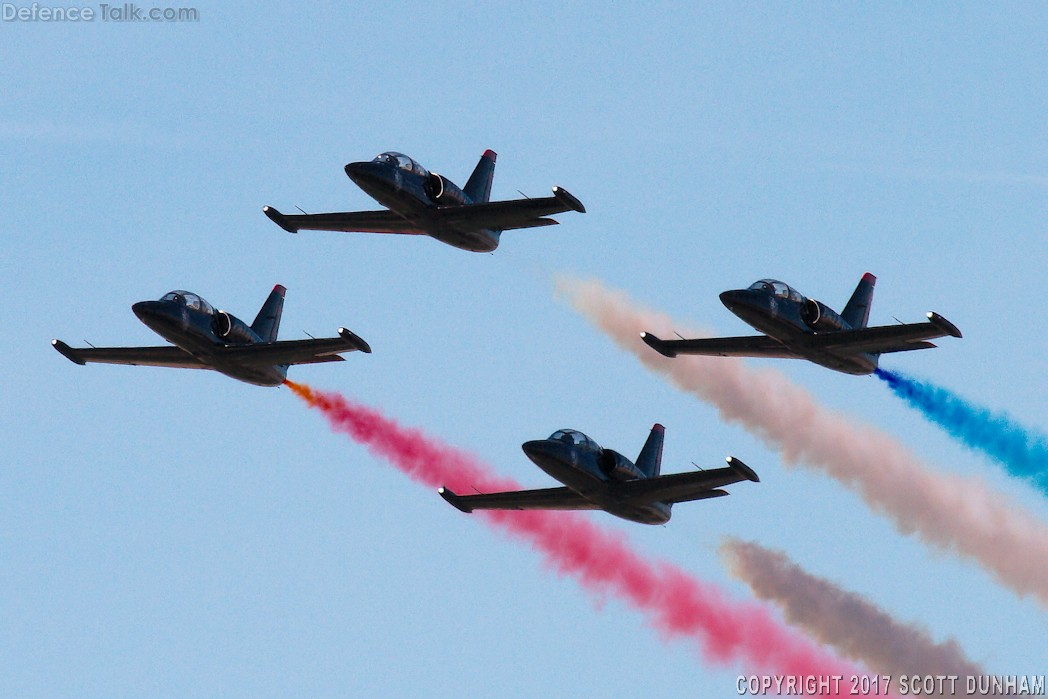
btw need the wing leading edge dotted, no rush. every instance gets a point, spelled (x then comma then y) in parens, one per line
(685, 487)
(296, 351)
(167, 356)
(543, 499)
(344, 221)
(511, 214)
(888, 338)
(750, 346)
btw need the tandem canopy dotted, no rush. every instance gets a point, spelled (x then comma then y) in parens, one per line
(780, 289)
(401, 161)
(190, 299)
(576, 438)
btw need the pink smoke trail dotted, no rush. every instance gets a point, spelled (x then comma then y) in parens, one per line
(855, 627)
(680, 605)
(960, 515)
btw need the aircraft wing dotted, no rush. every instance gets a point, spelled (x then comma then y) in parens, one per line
(750, 346)
(274, 353)
(295, 351)
(502, 215)
(511, 214)
(544, 499)
(888, 338)
(168, 355)
(345, 221)
(684, 487)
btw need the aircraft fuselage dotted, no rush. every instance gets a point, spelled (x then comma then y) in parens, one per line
(415, 195)
(787, 319)
(585, 470)
(193, 330)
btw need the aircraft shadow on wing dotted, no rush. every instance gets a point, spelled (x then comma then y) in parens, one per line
(596, 478)
(420, 202)
(206, 338)
(796, 327)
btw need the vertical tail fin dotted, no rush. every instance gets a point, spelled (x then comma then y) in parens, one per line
(267, 322)
(478, 187)
(857, 312)
(650, 459)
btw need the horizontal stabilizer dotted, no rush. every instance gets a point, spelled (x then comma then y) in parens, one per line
(279, 219)
(717, 493)
(532, 223)
(924, 344)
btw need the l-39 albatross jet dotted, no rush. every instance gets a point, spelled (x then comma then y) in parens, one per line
(421, 202)
(796, 327)
(206, 338)
(603, 479)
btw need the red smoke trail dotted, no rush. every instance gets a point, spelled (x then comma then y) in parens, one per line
(681, 605)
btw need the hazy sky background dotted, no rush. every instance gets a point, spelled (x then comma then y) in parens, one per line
(177, 533)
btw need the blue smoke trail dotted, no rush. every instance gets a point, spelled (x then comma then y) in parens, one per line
(1023, 452)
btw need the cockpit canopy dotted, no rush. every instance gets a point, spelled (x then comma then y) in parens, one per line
(774, 286)
(576, 438)
(402, 161)
(191, 300)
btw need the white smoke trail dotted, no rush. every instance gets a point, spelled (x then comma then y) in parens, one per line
(855, 627)
(960, 515)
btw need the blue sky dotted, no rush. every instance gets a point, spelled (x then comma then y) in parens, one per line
(181, 534)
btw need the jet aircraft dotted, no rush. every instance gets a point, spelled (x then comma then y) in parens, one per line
(603, 479)
(421, 202)
(796, 327)
(206, 338)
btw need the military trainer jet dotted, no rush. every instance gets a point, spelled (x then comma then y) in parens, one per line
(602, 479)
(796, 327)
(206, 338)
(425, 203)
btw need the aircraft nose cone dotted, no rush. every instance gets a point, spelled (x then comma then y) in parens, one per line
(367, 172)
(738, 297)
(545, 450)
(147, 310)
(159, 315)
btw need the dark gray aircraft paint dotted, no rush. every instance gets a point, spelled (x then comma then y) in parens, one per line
(421, 202)
(796, 327)
(603, 479)
(206, 338)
